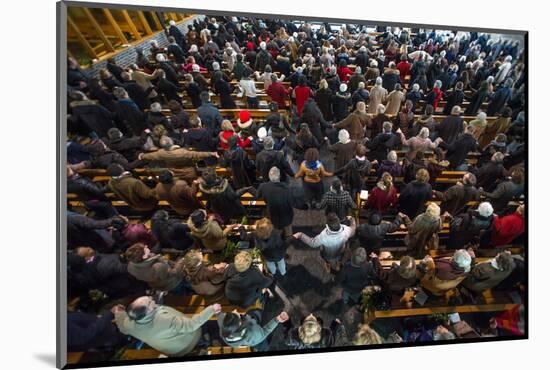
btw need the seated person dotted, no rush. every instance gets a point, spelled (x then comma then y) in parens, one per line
(443, 275)
(354, 276)
(206, 279)
(489, 274)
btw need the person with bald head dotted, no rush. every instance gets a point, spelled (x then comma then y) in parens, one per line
(161, 327)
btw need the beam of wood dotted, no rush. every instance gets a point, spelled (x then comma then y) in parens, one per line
(115, 25)
(445, 309)
(81, 38)
(131, 24)
(145, 23)
(156, 20)
(173, 16)
(98, 29)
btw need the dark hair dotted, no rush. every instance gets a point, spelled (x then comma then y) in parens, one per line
(333, 222)
(135, 252)
(205, 97)
(174, 106)
(274, 106)
(311, 155)
(166, 177)
(337, 185)
(359, 256)
(518, 176)
(136, 313)
(375, 218)
(361, 150)
(506, 112)
(232, 142)
(198, 218)
(302, 81)
(231, 324)
(115, 169)
(171, 39)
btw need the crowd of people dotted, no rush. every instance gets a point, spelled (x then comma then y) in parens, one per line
(360, 128)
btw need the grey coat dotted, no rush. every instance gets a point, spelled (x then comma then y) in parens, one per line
(253, 335)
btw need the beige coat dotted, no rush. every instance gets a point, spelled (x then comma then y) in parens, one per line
(176, 157)
(134, 192)
(144, 80)
(395, 98)
(166, 330)
(377, 95)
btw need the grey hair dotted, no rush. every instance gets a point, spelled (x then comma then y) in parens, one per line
(387, 126)
(424, 133)
(444, 336)
(166, 142)
(378, 81)
(156, 107)
(438, 84)
(416, 87)
(269, 143)
(463, 259)
(381, 108)
(485, 209)
(392, 156)
(274, 174)
(498, 157)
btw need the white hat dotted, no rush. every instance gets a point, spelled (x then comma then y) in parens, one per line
(362, 48)
(193, 48)
(485, 209)
(463, 259)
(215, 66)
(378, 81)
(161, 58)
(262, 133)
(343, 87)
(196, 68)
(156, 107)
(373, 63)
(343, 136)
(172, 23)
(263, 45)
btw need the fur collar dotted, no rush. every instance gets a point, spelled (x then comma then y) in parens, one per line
(216, 189)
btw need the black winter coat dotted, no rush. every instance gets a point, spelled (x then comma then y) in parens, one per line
(244, 288)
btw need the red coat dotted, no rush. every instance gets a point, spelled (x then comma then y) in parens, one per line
(380, 201)
(404, 68)
(438, 96)
(302, 93)
(278, 94)
(507, 228)
(225, 135)
(344, 73)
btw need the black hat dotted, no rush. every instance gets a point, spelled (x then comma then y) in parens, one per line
(375, 218)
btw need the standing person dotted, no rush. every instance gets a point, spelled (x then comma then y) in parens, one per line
(354, 276)
(311, 334)
(278, 199)
(337, 200)
(435, 95)
(221, 197)
(242, 170)
(454, 199)
(490, 274)
(344, 149)
(479, 97)
(341, 101)
(458, 151)
(383, 196)
(378, 95)
(422, 232)
(271, 245)
(452, 126)
(205, 278)
(415, 195)
(162, 327)
(277, 92)
(312, 171)
(444, 275)
(353, 172)
(181, 197)
(356, 122)
(508, 228)
(331, 241)
(301, 93)
(395, 98)
(419, 143)
(244, 282)
(207, 231)
(323, 98)
(399, 277)
(248, 87)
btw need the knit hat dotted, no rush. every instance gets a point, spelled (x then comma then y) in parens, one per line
(343, 87)
(462, 259)
(485, 209)
(343, 136)
(244, 120)
(262, 133)
(198, 217)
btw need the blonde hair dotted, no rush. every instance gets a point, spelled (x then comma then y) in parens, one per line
(310, 331)
(264, 228)
(242, 261)
(323, 84)
(227, 126)
(433, 210)
(422, 175)
(367, 335)
(191, 261)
